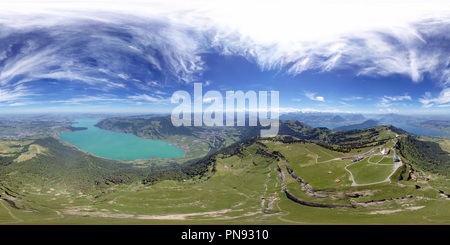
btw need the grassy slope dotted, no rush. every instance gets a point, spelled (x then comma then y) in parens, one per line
(233, 195)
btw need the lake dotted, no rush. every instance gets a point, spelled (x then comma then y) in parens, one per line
(118, 146)
(416, 130)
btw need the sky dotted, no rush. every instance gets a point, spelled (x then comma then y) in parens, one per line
(322, 56)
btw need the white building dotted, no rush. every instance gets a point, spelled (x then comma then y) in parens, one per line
(385, 151)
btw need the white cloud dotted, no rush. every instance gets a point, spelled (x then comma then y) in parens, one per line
(352, 98)
(398, 98)
(299, 34)
(84, 99)
(372, 38)
(312, 96)
(15, 96)
(442, 100)
(18, 104)
(26, 62)
(388, 110)
(390, 101)
(145, 97)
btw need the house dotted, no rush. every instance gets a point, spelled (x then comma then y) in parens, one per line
(385, 151)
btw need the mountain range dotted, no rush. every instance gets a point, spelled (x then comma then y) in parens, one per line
(366, 124)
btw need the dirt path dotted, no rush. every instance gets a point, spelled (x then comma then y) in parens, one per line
(16, 220)
(388, 179)
(317, 157)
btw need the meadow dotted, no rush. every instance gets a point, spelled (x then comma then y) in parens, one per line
(243, 188)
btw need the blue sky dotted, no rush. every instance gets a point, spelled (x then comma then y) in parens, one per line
(330, 56)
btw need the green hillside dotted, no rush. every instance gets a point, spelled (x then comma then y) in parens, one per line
(302, 178)
(49, 161)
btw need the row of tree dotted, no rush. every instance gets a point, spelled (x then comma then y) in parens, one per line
(426, 155)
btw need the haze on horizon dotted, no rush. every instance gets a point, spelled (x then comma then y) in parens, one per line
(322, 56)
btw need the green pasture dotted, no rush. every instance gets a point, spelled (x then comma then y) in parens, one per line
(364, 172)
(245, 189)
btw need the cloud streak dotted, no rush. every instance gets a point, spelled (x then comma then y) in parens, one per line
(442, 100)
(389, 101)
(15, 96)
(112, 54)
(148, 98)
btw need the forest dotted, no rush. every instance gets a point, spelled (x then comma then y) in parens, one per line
(425, 155)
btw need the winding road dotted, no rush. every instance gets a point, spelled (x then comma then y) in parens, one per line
(388, 179)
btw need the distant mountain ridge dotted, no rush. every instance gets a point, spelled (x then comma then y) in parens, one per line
(322, 118)
(161, 128)
(392, 117)
(366, 124)
(153, 127)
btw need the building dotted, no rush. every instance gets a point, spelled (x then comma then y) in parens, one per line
(385, 151)
(357, 159)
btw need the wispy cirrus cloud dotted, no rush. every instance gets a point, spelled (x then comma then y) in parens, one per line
(15, 95)
(88, 99)
(326, 37)
(107, 54)
(442, 100)
(388, 101)
(140, 46)
(148, 98)
(352, 98)
(398, 98)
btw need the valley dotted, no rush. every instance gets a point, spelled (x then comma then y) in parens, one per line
(230, 176)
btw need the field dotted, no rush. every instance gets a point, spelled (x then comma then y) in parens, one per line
(245, 188)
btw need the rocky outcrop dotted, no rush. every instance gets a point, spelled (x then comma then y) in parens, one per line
(382, 200)
(313, 204)
(10, 202)
(443, 194)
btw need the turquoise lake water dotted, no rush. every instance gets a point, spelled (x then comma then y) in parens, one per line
(113, 145)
